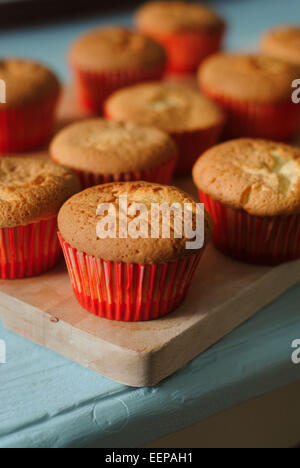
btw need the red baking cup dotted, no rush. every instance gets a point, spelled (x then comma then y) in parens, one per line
(247, 119)
(27, 128)
(192, 144)
(186, 51)
(160, 175)
(93, 88)
(128, 292)
(254, 239)
(29, 250)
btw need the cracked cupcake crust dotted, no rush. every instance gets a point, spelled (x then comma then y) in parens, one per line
(78, 220)
(169, 106)
(32, 190)
(255, 78)
(112, 147)
(115, 48)
(262, 177)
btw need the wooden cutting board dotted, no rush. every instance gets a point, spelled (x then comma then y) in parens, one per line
(224, 294)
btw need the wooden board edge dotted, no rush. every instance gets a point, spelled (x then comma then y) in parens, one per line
(186, 347)
(144, 369)
(62, 338)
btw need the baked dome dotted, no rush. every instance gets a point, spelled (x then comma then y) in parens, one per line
(259, 176)
(78, 222)
(32, 190)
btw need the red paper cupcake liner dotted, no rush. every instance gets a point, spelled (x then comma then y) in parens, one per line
(93, 88)
(193, 144)
(24, 129)
(160, 175)
(186, 51)
(29, 250)
(254, 239)
(277, 122)
(128, 292)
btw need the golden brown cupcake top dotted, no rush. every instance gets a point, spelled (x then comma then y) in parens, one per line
(78, 221)
(111, 147)
(178, 17)
(116, 49)
(32, 190)
(283, 42)
(259, 176)
(169, 106)
(26, 82)
(245, 77)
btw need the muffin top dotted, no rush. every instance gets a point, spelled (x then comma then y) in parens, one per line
(26, 82)
(248, 77)
(116, 49)
(32, 190)
(78, 221)
(169, 106)
(111, 147)
(170, 17)
(259, 176)
(283, 42)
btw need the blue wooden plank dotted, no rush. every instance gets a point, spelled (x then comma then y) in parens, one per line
(48, 401)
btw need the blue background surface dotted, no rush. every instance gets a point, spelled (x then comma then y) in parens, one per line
(48, 401)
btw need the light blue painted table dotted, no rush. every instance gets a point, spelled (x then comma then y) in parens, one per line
(48, 401)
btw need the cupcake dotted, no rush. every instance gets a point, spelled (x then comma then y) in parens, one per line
(28, 101)
(109, 59)
(194, 122)
(189, 33)
(255, 92)
(102, 151)
(283, 43)
(136, 275)
(31, 194)
(251, 188)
